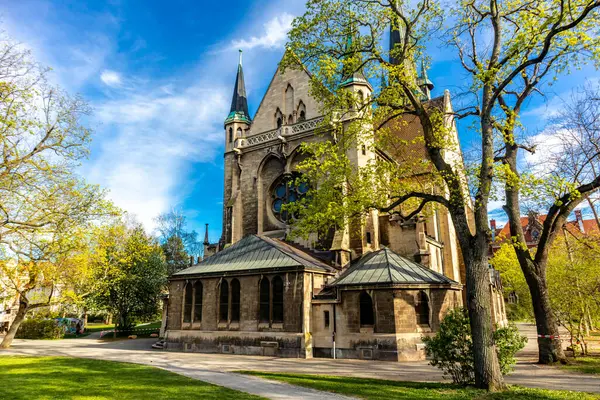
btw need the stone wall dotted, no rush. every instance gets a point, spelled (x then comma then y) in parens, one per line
(291, 338)
(396, 334)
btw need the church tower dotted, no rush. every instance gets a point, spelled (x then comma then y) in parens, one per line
(361, 235)
(237, 124)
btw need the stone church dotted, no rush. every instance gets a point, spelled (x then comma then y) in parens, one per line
(369, 292)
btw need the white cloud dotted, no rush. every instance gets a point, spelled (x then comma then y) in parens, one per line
(151, 137)
(275, 34)
(110, 78)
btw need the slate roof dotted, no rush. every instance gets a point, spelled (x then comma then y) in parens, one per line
(386, 267)
(254, 253)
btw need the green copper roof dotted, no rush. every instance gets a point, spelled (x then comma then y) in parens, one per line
(386, 267)
(237, 116)
(255, 252)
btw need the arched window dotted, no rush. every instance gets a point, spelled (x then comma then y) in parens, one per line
(230, 135)
(198, 302)
(422, 308)
(265, 297)
(235, 300)
(238, 133)
(277, 299)
(278, 118)
(224, 302)
(287, 189)
(301, 111)
(289, 101)
(367, 313)
(290, 119)
(188, 299)
(361, 97)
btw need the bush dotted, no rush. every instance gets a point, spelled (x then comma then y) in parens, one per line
(451, 348)
(40, 329)
(508, 342)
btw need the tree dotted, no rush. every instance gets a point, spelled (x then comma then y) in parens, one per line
(336, 40)
(43, 204)
(132, 270)
(173, 224)
(574, 284)
(568, 177)
(175, 255)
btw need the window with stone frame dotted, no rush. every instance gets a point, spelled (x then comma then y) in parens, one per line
(235, 300)
(277, 303)
(188, 298)
(197, 302)
(224, 302)
(230, 135)
(265, 300)
(422, 308)
(287, 189)
(367, 312)
(301, 111)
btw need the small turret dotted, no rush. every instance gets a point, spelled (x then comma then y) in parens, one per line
(424, 83)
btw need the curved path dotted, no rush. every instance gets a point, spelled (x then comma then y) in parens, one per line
(217, 368)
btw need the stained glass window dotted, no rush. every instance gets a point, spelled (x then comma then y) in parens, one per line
(288, 189)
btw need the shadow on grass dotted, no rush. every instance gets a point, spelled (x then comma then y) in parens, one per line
(377, 389)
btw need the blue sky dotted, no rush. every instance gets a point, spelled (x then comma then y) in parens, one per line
(159, 76)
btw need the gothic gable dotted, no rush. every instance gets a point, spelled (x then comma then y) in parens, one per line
(286, 101)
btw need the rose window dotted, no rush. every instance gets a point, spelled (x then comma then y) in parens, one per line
(287, 190)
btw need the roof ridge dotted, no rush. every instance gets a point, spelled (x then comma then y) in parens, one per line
(387, 262)
(293, 256)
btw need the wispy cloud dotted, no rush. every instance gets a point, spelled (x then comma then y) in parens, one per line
(151, 138)
(110, 78)
(274, 36)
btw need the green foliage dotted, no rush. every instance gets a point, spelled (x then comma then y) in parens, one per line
(131, 270)
(175, 255)
(508, 342)
(40, 329)
(451, 348)
(513, 281)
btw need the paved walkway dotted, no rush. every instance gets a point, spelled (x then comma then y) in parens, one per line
(217, 368)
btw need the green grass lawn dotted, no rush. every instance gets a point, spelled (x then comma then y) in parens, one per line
(74, 378)
(376, 389)
(588, 365)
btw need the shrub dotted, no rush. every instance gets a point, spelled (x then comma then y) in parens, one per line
(451, 348)
(40, 329)
(508, 342)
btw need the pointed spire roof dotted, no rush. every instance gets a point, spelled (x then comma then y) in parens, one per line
(396, 36)
(206, 241)
(423, 81)
(352, 77)
(239, 102)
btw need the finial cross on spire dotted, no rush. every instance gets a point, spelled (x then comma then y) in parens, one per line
(240, 62)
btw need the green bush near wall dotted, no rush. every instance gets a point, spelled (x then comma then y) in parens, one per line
(40, 329)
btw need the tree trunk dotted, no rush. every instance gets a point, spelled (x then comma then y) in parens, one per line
(487, 368)
(12, 331)
(550, 349)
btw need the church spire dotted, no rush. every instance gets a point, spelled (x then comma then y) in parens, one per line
(424, 83)
(396, 36)
(349, 76)
(239, 102)
(206, 241)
